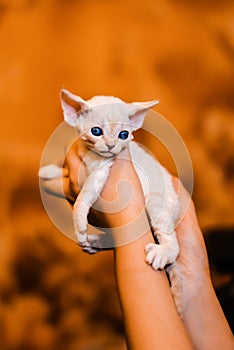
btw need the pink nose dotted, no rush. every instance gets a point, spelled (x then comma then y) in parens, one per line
(110, 147)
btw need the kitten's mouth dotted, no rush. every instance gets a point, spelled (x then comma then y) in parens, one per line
(106, 153)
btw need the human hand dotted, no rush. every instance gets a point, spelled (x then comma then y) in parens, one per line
(66, 185)
(73, 177)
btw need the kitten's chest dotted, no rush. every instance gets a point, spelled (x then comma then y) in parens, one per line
(153, 176)
(94, 162)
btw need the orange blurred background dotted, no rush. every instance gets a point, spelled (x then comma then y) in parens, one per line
(51, 295)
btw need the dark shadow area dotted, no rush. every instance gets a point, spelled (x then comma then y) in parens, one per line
(220, 244)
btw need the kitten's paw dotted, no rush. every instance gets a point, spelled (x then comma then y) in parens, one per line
(50, 172)
(90, 244)
(82, 239)
(93, 244)
(95, 241)
(157, 255)
(90, 250)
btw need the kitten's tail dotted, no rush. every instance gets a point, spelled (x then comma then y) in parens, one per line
(175, 277)
(51, 172)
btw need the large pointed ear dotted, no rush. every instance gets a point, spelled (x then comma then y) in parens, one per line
(72, 106)
(137, 112)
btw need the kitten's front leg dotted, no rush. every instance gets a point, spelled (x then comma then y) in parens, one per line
(80, 214)
(89, 194)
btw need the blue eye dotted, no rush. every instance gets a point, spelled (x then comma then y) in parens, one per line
(96, 131)
(123, 135)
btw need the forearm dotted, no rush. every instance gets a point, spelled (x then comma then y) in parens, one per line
(205, 321)
(203, 316)
(150, 317)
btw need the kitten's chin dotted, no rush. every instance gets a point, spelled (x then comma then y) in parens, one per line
(106, 154)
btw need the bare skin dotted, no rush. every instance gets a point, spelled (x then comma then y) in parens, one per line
(150, 317)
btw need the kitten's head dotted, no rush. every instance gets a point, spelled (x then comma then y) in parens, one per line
(106, 123)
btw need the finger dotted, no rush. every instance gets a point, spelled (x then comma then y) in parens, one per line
(54, 187)
(59, 188)
(66, 188)
(175, 182)
(75, 168)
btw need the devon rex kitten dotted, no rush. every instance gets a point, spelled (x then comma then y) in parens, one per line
(106, 124)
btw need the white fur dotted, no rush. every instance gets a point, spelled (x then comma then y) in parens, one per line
(50, 171)
(161, 201)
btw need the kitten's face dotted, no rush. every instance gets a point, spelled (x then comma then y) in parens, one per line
(105, 123)
(106, 129)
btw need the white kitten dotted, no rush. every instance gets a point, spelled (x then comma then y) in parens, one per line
(106, 124)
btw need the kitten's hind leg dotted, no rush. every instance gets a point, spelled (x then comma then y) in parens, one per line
(166, 252)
